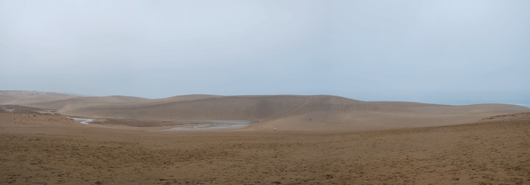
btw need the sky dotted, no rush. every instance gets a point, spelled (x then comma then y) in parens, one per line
(448, 52)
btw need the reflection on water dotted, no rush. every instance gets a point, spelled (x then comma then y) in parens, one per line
(84, 121)
(210, 124)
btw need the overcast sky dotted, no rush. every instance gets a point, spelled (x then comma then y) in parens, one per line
(428, 51)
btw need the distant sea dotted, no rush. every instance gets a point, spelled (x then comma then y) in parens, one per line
(524, 105)
(520, 104)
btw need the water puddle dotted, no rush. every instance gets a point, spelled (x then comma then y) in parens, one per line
(210, 124)
(83, 120)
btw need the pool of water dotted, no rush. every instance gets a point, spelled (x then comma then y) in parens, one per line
(83, 120)
(210, 124)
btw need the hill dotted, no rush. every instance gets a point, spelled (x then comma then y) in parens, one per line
(285, 112)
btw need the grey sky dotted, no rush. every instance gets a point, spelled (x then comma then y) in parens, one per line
(428, 51)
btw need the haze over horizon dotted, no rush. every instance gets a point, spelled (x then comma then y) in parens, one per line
(450, 52)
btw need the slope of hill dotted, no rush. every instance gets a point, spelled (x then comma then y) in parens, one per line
(45, 149)
(285, 112)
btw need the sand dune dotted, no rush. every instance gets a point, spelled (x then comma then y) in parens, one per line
(44, 149)
(320, 140)
(286, 112)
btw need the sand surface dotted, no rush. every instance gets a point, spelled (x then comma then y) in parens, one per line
(54, 150)
(284, 112)
(320, 140)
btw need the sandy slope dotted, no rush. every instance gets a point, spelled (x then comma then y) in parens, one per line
(285, 112)
(43, 149)
(320, 140)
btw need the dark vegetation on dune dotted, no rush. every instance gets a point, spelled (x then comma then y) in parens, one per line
(523, 115)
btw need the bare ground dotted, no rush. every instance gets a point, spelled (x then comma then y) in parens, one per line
(43, 149)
